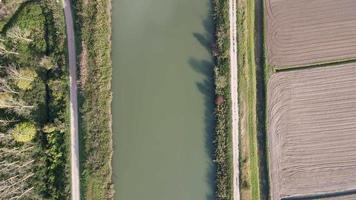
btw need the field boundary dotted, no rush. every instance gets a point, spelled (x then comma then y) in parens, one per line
(261, 100)
(319, 65)
(321, 195)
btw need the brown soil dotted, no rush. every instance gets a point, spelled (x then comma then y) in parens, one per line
(308, 32)
(312, 131)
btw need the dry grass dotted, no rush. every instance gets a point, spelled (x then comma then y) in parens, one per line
(83, 66)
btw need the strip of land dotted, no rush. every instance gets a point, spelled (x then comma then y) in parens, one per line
(74, 143)
(234, 100)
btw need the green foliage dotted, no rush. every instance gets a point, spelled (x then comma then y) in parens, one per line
(93, 31)
(24, 132)
(49, 128)
(25, 78)
(7, 9)
(220, 80)
(37, 72)
(222, 88)
(47, 63)
(56, 87)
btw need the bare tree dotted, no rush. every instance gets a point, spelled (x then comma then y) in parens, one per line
(16, 164)
(16, 33)
(5, 122)
(5, 87)
(7, 101)
(4, 51)
(23, 76)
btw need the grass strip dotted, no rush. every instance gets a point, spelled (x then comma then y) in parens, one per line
(93, 35)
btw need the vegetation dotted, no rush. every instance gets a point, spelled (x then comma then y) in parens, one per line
(24, 132)
(7, 9)
(223, 140)
(33, 160)
(93, 30)
(249, 154)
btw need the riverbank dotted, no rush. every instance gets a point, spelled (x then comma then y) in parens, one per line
(93, 41)
(223, 133)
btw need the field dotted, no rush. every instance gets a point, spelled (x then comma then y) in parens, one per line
(311, 118)
(307, 32)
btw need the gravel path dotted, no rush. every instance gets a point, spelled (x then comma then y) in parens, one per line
(234, 99)
(74, 144)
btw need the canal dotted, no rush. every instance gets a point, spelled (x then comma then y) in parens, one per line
(163, 100)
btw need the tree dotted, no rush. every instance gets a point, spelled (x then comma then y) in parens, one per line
(57, 87)
(4, 51)
(24, 132)
(5, 87)
(5, 122)
(220, 79)
(23, 77)
(16, 165)
(16, 33)
(47, 62)
(8, 101)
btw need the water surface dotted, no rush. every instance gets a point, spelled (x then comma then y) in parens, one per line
(163, 100)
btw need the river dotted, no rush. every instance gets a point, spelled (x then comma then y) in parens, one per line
(163, 100)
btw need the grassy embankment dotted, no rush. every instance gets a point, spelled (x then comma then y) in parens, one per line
(249, 166)
(93, 32)
(33, 101)
(223, 138)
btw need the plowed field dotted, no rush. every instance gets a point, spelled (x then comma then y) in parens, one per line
(312, 131)
(303, 32)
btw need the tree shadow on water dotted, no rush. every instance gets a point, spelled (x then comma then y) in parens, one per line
(206, 87)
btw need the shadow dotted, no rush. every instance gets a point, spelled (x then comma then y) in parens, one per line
(206, 87)
(261, 100)
(15, 16)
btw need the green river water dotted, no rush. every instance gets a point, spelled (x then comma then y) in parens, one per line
(163, 100)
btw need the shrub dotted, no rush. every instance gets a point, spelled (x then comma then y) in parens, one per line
(25, 78)
(24, 132)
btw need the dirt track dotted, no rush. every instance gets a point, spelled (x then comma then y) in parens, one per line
(74, 140)
(301, 32)
(312, 131)
(234, 100)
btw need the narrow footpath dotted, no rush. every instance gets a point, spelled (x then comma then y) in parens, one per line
(74, 143)
(234, 99)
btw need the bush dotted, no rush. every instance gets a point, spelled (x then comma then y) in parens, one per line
(25, 78)
(24, 132)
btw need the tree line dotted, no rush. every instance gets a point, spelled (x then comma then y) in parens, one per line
(33, 102)
(223, 140)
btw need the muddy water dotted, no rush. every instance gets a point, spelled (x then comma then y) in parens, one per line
(163, 100)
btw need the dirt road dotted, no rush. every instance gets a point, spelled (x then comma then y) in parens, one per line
(234, 99)
(74, 144)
